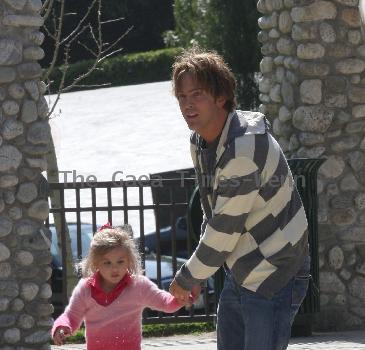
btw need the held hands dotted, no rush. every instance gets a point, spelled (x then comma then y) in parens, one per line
(194, 295)
(185, 297)
(60, 335)
(195, 291)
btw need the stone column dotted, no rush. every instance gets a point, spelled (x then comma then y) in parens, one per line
(25, 311)
(313, 89)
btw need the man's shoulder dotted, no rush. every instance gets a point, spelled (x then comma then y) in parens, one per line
(249, 138)
(252, 122)
(244, 127)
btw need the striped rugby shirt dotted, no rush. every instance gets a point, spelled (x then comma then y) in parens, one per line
(254, 220)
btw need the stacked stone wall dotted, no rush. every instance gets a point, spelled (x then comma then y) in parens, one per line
(313, 90)
(25, 311)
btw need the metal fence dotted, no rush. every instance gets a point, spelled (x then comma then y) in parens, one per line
(158, 206)
(142, 203)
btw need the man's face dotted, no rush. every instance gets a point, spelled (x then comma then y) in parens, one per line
(199, 108)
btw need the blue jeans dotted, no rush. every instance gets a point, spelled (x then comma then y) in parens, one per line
(248, 321)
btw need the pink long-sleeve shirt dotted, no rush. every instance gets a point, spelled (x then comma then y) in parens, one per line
(117, 326)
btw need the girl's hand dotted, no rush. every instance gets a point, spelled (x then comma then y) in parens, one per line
(60, 335)
(179, 293)
(187, 303)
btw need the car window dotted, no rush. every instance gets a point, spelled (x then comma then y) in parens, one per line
(166, 266)
(182, 224)
(86, 236)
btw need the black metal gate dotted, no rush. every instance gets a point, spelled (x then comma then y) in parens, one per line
(167, 231)
(155, 208)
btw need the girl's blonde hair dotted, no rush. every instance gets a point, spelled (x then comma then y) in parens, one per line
(106, 240)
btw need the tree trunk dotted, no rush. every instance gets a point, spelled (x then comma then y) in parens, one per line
(52, 176)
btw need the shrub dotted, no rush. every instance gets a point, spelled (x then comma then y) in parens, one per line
(230, 28)
(138, 68)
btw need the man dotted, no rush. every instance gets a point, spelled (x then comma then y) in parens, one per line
(254, 222)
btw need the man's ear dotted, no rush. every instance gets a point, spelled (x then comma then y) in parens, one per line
(221, 101)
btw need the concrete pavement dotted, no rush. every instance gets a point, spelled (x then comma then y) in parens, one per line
(353, 340)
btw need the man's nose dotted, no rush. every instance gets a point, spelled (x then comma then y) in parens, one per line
(189, 102)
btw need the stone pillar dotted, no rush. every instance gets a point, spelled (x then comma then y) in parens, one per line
(25, 311)
(313, 89)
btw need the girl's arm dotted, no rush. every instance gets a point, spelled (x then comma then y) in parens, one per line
(75, 311)
(156, 298)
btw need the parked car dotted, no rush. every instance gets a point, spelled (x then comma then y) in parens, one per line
(86, 236)
(181, 229)
(167, 273)
(56, 279)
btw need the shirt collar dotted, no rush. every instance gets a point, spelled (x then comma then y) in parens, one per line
(106, 298)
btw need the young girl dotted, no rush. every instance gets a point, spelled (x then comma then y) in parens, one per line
(111, 295)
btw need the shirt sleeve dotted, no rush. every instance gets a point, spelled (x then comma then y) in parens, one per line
(158, 299)
(237, 189)
(204, 222)
(75, 310)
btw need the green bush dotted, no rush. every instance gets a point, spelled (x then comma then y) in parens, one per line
(163, 330)
(138, 68)
(230, 28)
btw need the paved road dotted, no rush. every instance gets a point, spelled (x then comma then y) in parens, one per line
(330, 341)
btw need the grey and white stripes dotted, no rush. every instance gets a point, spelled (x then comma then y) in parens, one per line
(256, 222)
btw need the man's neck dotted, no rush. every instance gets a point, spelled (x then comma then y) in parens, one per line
(216, 130)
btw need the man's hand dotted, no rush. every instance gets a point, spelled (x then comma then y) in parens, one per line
(194, 295)
(195, 292)
(179, 293)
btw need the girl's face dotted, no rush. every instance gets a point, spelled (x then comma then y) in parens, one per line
(112, 267)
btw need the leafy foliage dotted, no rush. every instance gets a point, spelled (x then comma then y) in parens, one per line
(138, 68)
(163, 330)
(230, 28)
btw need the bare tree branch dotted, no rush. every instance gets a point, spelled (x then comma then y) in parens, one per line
(98, 49)
(47, 8)
(62, 82)
(58, 31)
(109, 54)
(83, 19)
(110, 46)
(113, 20)
(92, 85)
(48, 32)
(87, 48)
(100, 42)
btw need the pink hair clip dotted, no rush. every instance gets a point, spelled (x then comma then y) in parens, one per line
(107, 225)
